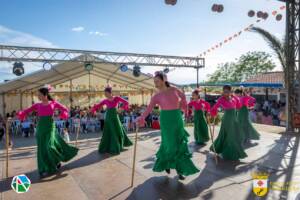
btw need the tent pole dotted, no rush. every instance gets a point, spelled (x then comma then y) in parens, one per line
(197, 77)
(21, 101)
(31, 97)
(143, 97)
(71, 95)
(89, 96)
(4, 105)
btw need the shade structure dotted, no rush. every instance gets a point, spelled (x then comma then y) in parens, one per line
(257, 85)
(63, 72)
(73, 77)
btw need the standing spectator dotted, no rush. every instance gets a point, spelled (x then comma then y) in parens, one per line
(282, 115)
(275, 114)
(84, 124)
(26, 127)
(66, 135)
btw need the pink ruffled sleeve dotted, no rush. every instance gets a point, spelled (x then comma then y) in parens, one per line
(250, 101)
(23, 113)
(64, 111)
(124, 102)
(214, 110)
(238, 103)
(97, 106)
(183, 102)
(191, 104)
(206, 105)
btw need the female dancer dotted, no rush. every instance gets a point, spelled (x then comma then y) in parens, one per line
(243, 116)
(228, 142)
(114, 137)
(173, 152)
(200, 124)
(51, 148)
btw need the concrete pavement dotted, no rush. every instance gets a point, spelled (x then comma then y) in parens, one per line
(94, 176)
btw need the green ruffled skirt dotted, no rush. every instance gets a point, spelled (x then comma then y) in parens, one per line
(200, 127)
(51, 148)
(173, 152)
(228, 142)
(114, 137)
(249, 132)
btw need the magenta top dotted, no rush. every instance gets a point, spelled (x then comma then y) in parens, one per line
(247, 101)
(44, 110)
(110, 104)
(200, 104)
(226, 104)
(170, 99)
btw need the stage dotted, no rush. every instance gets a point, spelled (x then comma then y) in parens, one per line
(94, 176)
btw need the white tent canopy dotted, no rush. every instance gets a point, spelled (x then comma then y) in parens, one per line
(71, 70)
(68, 77)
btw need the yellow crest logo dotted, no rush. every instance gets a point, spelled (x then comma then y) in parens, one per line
(260, 184)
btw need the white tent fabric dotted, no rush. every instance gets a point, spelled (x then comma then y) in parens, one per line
(15, 94)
(64, 72)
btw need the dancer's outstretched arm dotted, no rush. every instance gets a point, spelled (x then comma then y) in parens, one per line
(97, 106)
(63, 109)
(23, 113)
(124, 102)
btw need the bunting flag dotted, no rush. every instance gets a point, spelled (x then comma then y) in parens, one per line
(237, 34)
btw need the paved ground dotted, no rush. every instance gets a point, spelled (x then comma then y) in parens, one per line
(94, 176)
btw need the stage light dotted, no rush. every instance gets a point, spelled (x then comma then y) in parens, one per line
(88, 66)
(47, 66)
(123, 68)
(18, 69)
(214, 7)
(166, 70)
(265, 16)
(136, 71)
(251, 13)
(260, 14)
(220, 8)
(278, 17)
(170, 2)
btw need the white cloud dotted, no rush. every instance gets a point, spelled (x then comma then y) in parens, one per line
(98, 33)
(13, 37)
(78, 29)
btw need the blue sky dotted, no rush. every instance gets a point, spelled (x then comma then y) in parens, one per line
(141, 26)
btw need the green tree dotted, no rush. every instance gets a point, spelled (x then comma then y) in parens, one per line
(278, 46)
(249, 64)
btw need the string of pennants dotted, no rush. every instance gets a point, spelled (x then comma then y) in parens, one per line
(83, 93)
(245, 29)
(83, 86)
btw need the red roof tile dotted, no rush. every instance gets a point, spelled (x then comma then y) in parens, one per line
(268, 77)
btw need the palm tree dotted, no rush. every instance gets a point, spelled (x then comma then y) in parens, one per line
(278, 46)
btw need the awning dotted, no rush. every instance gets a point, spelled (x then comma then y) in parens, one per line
(254, 85)
(64, 72)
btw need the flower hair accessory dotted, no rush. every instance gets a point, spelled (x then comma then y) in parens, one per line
(49, 87)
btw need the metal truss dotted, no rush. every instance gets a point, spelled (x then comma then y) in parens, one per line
(52, 55)
(293, 59)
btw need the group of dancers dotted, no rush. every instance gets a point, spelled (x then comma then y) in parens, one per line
(236, 128)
